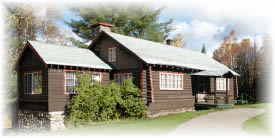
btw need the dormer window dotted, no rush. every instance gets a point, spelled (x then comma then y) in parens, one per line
(112, 54)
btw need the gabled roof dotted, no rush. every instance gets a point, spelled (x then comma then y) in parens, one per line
(161, 54)
(66, 55)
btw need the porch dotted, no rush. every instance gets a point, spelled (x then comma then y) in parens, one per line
(213, 91)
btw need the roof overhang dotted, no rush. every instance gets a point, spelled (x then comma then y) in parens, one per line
(23, 51)
(216, 74)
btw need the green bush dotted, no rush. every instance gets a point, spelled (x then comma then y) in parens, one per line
(103, 103)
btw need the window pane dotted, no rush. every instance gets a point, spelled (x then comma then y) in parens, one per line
(95, 77)
(114, 54)
(39, 85)
(165, 81)
(69, 75)
(117, 78)
(110, 54)
(29, 83)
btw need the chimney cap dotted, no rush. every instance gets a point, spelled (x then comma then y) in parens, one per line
(102, 23)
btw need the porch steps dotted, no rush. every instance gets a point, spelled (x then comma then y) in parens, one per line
(200, 106)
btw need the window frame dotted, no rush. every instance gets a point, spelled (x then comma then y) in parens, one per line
(32, 82)
(78, 71)
(171, 76)
(110, 58)
(218, 84)
(121, 74)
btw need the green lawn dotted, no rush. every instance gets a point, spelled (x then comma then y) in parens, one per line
(159, 126)
(156, 126)
(259, 124)
(262, 105)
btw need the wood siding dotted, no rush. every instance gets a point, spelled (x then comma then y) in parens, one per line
(124, 59)
(57, 97)
(171, 99)
(30, 62)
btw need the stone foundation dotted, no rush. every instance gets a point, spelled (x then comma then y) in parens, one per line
(39, 121)
(168, 112)
(57, 120)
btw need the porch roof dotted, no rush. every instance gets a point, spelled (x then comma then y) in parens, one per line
(215, 73)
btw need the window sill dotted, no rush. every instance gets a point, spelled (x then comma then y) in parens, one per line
(171, 89)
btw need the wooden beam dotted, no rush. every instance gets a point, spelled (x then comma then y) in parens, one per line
(226, 80)
(215, 93)
(151, 84)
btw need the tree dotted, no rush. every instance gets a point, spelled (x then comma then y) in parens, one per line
(227, 52)
(203, 50)
(132, 19)
(48, 18)
(24, 23)
(21, 26)
(77, 43)
(178, 40)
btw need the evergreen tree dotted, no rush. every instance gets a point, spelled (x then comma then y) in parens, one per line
(203, 50)
(133, 19)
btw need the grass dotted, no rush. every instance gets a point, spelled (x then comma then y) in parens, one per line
(258, 124)
(262, 105)
(156, 126)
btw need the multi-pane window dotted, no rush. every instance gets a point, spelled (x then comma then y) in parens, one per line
(171, 81)
(120, 77)
(71, 80)
(33, 83)
(112, 54)
(221, 84)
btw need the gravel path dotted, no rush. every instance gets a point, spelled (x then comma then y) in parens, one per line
(227, 122)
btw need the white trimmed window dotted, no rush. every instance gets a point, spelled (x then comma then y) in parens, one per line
(171, 81)
(120, 77)
(112, 54)
(33, 83)
(71, 80)
(221, 84)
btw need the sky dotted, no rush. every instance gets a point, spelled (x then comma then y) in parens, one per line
(208, 22)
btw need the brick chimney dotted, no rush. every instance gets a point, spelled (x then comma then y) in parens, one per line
(100, 26)
(169, 41)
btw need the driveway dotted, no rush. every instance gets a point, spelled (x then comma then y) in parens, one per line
(227, 122)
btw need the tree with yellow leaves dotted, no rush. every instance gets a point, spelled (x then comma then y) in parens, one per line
(227, 52)
(178, 40)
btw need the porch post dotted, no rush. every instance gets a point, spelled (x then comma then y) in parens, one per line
(215, 95)
(226, 80)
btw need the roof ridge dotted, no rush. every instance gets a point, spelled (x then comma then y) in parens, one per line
(168, 46)
(59, 45)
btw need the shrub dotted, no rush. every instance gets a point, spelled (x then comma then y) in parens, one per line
(131, 105)
(103, 103)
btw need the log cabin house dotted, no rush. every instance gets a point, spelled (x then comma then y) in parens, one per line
(171, 79)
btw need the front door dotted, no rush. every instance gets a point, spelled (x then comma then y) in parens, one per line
(201, 84)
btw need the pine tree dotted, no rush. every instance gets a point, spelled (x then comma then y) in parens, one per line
(133, 19)
(203, 50)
